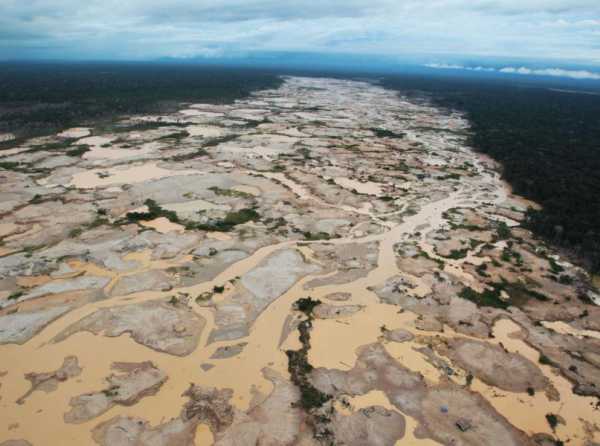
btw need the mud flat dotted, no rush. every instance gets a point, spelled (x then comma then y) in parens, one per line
(154, 284)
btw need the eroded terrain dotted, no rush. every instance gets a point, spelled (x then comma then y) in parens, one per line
(155, 278)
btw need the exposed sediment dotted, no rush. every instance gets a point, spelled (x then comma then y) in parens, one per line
(163, 263)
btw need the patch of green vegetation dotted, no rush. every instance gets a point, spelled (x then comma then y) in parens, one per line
(204, 297)
(231, 220)
(143, 126)
(508, 255)
(306, 305)
(474, 243)
(552, 420)
(565, 279)
(481, 270)
(450, 176)
(518, 294)
(351, 147)
(543, 359)
(503, 231)
(98, 221)
(15, 295)
(111, 392)
(61, 145)
(10, 165)
(154, 211)
(555, 267)
(230, 192)
(176, 135)
(447, 215)
(305, 152)
(240, 217)
(275, 223)
(409, 212)
(311, 398)
(218, 289)
(467, 227)
(457, 254)
(29, 250)
(78, 150)
(487, 298)
(12, 143)
(75, 232)
(384, 133)
(401, 166)
(469, 379)
(314, 236)
(441, 263)
(198, 153)
(219, 140)
(37, 198)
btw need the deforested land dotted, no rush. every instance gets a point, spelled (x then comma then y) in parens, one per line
(304, 261)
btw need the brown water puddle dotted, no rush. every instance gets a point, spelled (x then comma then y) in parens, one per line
(564, 328)
(90, 179)
(336, 340)
(163, 225)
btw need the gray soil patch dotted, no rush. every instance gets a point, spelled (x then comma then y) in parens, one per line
(134, 382)
(49, 381)
(167, 328)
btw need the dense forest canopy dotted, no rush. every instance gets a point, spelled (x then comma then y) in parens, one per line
(548, 141)
(38, 98)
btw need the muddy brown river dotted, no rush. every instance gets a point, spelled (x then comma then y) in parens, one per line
(225, 298)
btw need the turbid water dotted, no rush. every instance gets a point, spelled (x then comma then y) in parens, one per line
(242, 283)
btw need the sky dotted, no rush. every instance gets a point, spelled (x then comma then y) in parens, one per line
(439, 33)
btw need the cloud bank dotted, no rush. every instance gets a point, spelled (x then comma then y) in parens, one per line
(554, 72)
(146, 29)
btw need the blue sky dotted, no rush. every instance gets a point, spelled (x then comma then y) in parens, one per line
(439, 32)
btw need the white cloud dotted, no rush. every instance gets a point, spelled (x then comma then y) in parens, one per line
(554, 72)
(459, 67)
(561, 29)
